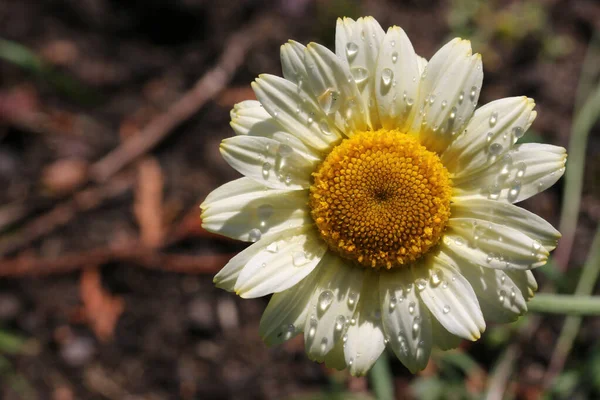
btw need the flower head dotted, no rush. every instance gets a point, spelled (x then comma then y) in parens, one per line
(380, 200)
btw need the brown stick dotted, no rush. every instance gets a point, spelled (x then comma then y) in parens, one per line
(135, 253)
(208, 86)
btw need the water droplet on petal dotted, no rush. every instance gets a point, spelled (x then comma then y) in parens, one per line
(493, 118)
(421, 283)
(329, 101)
(299, 258)
(273, 247)
(351, 49)
(514, 191)
(266, 170)
(444, 104)
(324, 126)
(518, 132)
(394, 57)
(393, 43)
(386, 77)
(323, 346)
(411, 307)
(459, 241)
(501, 295)
(325, 299)
(473, 93)
(359, 74)
(461, 97)
(494, 191)
(340, 322)
(254, 235)
(495, 149)
(352, 297)
(521, 169)
(446, 309)
(436, 277)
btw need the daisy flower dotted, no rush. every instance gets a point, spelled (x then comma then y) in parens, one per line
(380, 201)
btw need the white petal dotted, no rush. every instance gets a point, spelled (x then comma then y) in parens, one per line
(422, 63)
(491, 132)
(510, 215)
(335, 88)
(333, 305)
(397, 80)
(512, 248)
(365, 338)
(448, 94)
(296, 111)
(523, 172)
(274, 164)
(281, 263)
(292, 62)
(250, 118)
(449, 297)
(241, 207)
(246, 114)
(525, 281)
(499, 297)
(443, 339)
(357, 43)
(286, 313)
(406, 320)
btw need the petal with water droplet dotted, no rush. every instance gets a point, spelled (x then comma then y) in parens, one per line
(237, 207)
(396, 101)
(412, 347)
(330, 304)
(267, 272)
(465, 318)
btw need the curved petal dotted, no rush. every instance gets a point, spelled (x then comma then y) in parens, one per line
(357, 43)
(292, 63)
(406, 320)
(499, 297)
(287, 311)
(239, 208)
(250, 118)
(491, 133)
(523, 172)
(448, 94)
(296, 111)
(525, 281)
(280, 263)
(333, 305)
(485, 210)
(513, 248)
(274, 164)
(396, 80)
(443, 339)
(449, 297)
(365, 334)
(335, 88)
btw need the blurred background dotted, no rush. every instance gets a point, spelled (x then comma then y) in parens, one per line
(111, 112)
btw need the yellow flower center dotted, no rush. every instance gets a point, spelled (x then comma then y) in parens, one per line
(381, 199)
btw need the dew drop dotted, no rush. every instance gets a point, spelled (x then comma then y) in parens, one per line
(266, 170)
(299, 258)
(495, 149)
(416, 325)
(323, 346)
(324, 126)
(493, 119)
(411, 307)
(494, 191)
(284, 150)
(521, 169)
(254, 235)
(393, 302)
(513, 293)
(446, 309)
(340, 322)
(350, 361)
(444, 285)
(489, 136)
(359, 74)
(352, 297)
(514, 191)
(461, 97)
(351, 49)
(421, 283)
(273, 247)
(393, 43)
(459, 241)
(436, 277)
(329, 101)
(518, 132)
(386, 77)
(501, 295)
(431, 99)
(345, 338)
(473, 93)
(394, 57)
(444, 104)
(264, 211)
(325, 299)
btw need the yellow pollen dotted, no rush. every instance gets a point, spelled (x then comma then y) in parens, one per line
(381, 199)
